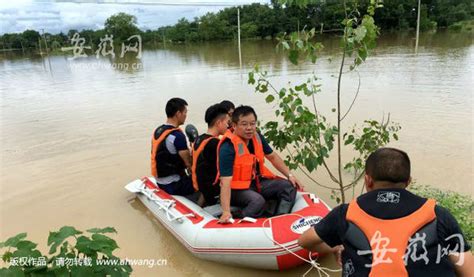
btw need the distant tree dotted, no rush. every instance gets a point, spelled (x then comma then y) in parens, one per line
(30, 38)
(121, 26)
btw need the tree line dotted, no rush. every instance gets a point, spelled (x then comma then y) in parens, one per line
(257, 21)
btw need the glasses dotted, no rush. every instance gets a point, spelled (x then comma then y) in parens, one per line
(247, 124)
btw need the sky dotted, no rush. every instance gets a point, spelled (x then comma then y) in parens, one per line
(55, 16)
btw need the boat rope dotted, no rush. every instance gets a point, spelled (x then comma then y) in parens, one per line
(322, 271)
(165, 204)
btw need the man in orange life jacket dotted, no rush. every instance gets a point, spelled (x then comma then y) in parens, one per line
(204, 170)
(245, 181)
(170, 154)
(389, 231)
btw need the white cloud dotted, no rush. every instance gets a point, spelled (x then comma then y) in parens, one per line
(54, 17)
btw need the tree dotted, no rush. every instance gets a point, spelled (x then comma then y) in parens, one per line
(305, 134)
(122, 26)
(30, 38)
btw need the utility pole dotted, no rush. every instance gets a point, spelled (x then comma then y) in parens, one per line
(238, 37)
(45, 43)
(39, 43)
(47, 53)
(418, 27)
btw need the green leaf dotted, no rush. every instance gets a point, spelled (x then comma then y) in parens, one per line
(102, 230)
(12, 272)
(26, 253)
(84, 245)
(360, 33)
(285, 45)
(349, 140)
(251, 80)
(26, 244)
(103, 244)
(282, 92)
(56, 238)
(310, 164)
(13, 241)
(6, 256)
(293, 56)
(269, 98)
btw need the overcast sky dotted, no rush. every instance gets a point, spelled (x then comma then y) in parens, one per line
(56, 16)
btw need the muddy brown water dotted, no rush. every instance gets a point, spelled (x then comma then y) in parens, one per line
(73, 133)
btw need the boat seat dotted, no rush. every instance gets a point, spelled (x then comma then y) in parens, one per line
(216, 210)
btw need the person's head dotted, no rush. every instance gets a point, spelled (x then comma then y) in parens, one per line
(216, 117)
(244, 121)
(230, 107)
(387, 168)
(177, 109)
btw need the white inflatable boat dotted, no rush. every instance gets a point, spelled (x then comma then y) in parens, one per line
(265, 243)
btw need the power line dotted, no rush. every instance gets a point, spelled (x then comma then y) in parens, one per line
(151, 3)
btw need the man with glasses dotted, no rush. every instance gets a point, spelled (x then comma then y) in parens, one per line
(245, 180)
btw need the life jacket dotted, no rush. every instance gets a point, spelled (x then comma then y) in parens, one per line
(163, 163)
(201, 168)
(378, 247)
(245, 163)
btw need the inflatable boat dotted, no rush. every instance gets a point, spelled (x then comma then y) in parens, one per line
(264, 243)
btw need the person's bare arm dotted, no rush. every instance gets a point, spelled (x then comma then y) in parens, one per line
(225, 199)
(186, 157)
(463, 264)
(310, 240)
(280, 165)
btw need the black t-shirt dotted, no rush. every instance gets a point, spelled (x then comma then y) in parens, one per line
(207, 161)
(206, 169)
(332, 228)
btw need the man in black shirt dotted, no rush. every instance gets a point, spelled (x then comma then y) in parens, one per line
(204, 169)
(389, 231)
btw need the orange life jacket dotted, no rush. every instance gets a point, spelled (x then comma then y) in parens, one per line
(245, 163)
(196, 153)
(395, 233)
(156, 146)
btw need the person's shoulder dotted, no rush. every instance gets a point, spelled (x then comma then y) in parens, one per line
(341, 210)
(212, 142)
(443, 215)
(178, 133)
(226, 148)
(449, 230)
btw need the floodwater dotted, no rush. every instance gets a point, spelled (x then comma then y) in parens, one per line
(73, 133)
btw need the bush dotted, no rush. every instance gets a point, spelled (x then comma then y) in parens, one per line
(460, 206)
(89, 256)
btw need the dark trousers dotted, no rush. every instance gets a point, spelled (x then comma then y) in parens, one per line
(183, 187)
(252, 202)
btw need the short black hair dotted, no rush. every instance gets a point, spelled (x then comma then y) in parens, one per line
(388, 164)
(242, 111)
(214, 113)
(174, 105)
(228, 105)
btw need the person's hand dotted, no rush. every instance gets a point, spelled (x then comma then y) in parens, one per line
(295, 182)
(225, 217)
(338, 254)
